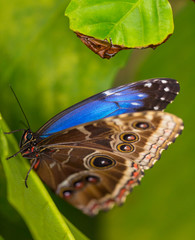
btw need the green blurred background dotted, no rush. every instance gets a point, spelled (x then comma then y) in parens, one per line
(50, 69)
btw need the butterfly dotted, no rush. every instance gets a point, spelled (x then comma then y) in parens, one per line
(93, 153)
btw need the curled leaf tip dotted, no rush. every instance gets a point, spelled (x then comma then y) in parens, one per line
(104, 48)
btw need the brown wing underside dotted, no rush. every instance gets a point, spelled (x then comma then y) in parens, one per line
(71, 175)
(95, 165)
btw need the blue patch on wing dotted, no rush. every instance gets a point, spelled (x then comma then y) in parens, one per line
(151, 94)
(108, 103)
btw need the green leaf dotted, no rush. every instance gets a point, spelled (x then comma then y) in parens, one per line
(33, 203)
(9, 216)
(131, 23)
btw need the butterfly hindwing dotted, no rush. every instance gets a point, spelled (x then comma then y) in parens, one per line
(85, 187)
(96, 164)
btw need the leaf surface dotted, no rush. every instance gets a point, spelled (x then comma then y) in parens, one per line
(130, 23)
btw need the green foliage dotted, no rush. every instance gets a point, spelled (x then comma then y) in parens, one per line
(131, 23)
(50, 69)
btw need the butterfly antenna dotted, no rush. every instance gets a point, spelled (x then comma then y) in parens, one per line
(20, 107)
(24, 123)
(17, 130)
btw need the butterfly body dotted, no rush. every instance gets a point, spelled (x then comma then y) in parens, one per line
(93, 162)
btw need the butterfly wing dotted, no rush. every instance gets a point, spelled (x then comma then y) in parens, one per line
(152, 94)
(95, 165)
(85, 187)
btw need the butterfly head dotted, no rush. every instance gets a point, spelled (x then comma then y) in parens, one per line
(28, 144)
(26, 138)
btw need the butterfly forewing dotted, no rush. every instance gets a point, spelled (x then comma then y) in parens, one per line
(152, 94)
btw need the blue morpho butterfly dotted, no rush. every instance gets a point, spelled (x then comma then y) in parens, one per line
(93, 153)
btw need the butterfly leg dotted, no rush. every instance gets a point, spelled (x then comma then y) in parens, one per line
(35, 161)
